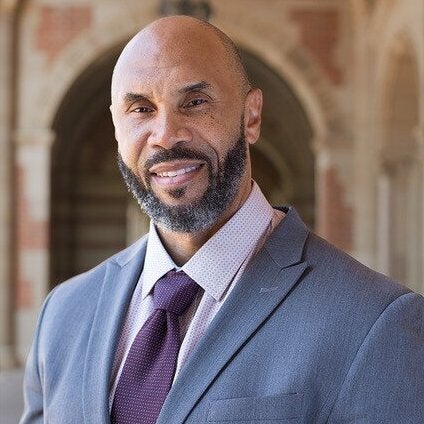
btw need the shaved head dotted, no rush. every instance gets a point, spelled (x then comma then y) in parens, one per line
(184, 33)
(233, 54)
(184, 116)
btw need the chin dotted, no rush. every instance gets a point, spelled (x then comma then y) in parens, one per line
(181, 196)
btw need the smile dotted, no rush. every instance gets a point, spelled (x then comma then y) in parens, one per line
(177, 172)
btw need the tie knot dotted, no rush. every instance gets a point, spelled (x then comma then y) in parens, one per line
(174, 292)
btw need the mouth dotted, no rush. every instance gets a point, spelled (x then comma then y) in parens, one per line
(175, 173)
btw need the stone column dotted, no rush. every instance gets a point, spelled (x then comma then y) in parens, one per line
(365, 135)
(33, 147)
(400, 229)
(7, 355)
(334, 191)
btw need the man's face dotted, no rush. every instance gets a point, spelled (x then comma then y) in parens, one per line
(179, 122)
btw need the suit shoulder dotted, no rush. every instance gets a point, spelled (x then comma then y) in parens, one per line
(90, 281)
(344, 274)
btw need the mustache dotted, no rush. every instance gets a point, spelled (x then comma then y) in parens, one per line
(173, 154)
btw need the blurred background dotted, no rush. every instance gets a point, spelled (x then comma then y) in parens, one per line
(342, 136)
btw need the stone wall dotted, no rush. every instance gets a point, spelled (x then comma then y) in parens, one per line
(335, 56)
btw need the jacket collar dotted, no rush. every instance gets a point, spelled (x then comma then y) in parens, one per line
(267, 281)
(121, 276)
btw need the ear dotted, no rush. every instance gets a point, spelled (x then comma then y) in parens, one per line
(252, 115)
(112, 114)
(111, 109)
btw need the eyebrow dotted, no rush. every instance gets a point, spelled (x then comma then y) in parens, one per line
(135, 97)
(202, 85)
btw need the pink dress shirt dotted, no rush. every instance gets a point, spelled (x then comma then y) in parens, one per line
(216, 267)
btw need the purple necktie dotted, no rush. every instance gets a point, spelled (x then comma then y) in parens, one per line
(150, 365)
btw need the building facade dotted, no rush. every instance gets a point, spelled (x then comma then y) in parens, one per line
(342, 137)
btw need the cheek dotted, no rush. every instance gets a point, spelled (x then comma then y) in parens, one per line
(216, 130)
(222, 136)
(130, 143)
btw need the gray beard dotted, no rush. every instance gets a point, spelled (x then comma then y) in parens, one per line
(205, 212)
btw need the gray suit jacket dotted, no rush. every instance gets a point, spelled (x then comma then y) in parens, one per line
(308, 335)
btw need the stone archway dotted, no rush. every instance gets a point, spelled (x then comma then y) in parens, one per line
(283, 162)
(92, 215)
(88, 202)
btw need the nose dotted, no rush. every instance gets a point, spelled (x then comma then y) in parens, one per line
(168, 130)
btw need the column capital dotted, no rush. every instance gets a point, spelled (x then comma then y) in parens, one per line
(406, 154)
(331, 142)
(34, 136)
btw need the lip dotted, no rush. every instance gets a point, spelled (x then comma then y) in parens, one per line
(175, 173)
(174, 166)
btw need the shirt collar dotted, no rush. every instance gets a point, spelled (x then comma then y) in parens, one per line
(157, 262)
(216, 263)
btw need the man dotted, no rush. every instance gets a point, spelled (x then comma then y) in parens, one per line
(267, 323)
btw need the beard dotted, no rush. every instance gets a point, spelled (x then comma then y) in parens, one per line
(223, 185)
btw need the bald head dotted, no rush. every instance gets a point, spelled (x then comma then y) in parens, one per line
(190, 39)
(184, 116)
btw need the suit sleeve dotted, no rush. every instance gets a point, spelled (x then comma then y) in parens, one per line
(385, 383)
(33, 387)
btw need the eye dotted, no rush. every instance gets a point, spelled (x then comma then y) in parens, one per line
(142, 109)
(195, 102)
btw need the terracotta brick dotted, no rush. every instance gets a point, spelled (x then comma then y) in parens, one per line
(336, 221)
(23, 294)
(59, 25)
(31, 234)
(319, 34)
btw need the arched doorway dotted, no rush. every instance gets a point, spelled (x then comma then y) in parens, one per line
(93, 216)
(88, 200)
(283, 162)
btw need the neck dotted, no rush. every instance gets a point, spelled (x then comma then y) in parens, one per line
(182, 246)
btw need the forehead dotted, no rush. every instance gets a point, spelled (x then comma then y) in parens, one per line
(171, 80)
(168, 64)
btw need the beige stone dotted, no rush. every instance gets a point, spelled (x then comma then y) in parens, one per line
(342, 137)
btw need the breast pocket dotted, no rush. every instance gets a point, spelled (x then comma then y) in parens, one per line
(284, 408)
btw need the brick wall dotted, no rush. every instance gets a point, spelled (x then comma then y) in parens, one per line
(319, 34)
(58, 26)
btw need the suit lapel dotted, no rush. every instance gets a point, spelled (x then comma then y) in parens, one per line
(264, 285)
(121, 276)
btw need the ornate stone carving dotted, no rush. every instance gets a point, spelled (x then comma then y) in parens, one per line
(198, 8)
